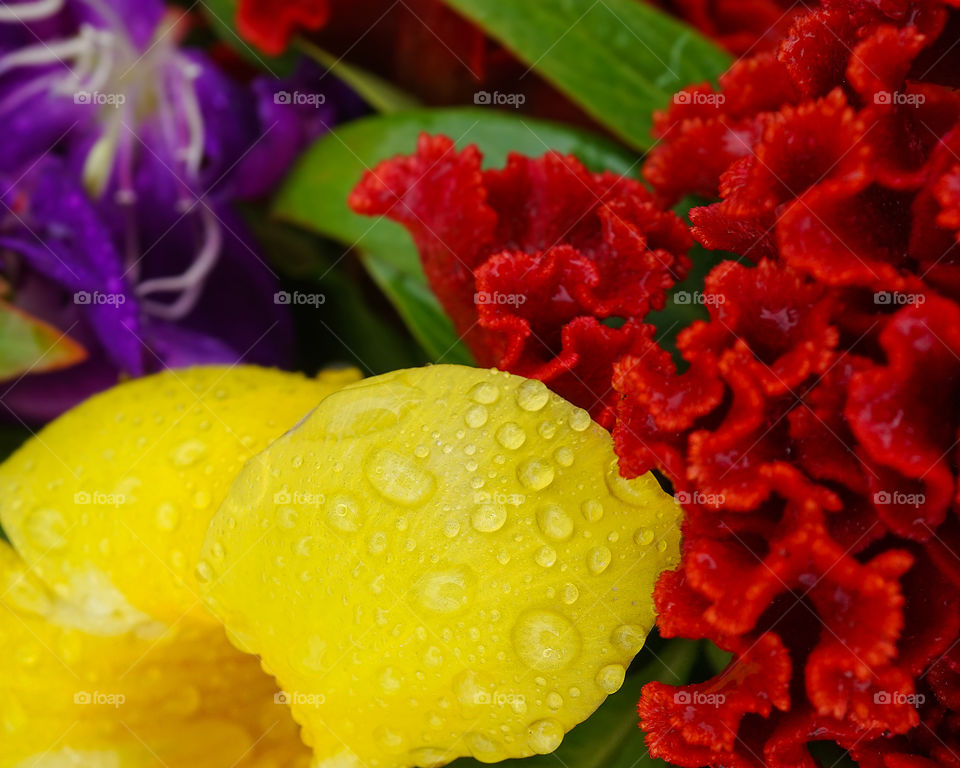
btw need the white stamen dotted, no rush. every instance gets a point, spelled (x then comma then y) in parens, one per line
(30, 11)
(45, 53)
(191, 282)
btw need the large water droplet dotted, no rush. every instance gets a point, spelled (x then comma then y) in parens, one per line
(46, 529)
(544, 736)
(545, 640)
(376, 409)
(344, 514)
(476, 417)
(168, 517)
(532, 395)
(535, 474)
(628, 637)
(511, 436)
(554, 522)
(188, 452)
(446, 591)
(591, 510)
(485, 393)
(579, 420)
(610, 678)
(488, 518)
(598, 559)
(398, 478)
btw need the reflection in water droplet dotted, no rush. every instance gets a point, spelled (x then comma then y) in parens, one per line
(610, 678)
(544, 736)
(545, 640)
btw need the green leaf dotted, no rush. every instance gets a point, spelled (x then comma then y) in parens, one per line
(378, 93)
(314, 195)
(611, 737)
(618, 59)
(28, 344)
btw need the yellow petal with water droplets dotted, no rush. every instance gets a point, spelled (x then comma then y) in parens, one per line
(109, 503)
(185, 698)
(439, 562)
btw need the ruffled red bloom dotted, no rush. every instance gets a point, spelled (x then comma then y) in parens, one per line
(269, 25)
(545, 268)
(814, 434)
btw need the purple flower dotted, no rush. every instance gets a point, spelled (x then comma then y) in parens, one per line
(123, 157)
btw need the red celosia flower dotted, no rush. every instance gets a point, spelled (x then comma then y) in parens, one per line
(545, 268)
(269, 25)
(813, 437)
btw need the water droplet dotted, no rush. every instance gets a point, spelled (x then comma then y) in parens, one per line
(546, 556)
(188, 452)
(579, 420)
(488, 518)
(483, 748)
(476, 417)
(643, 537)
(547, 429)
(598, 559)
(421, 451)
(201, 500)
(636, 492)
(377, 543)
(554, 522)
(376, 409)
(628, 637)
(485, 393)
(563, 456)
(204, 572)
(610, 678)
(47, 529)
(544, 736)
(511, 436)
(570, 593)
(297, 462)
(429, 757)
(344, 514)
(545, 640)
(591, 510)
(433, 657)
(532, 395)
(472, 688)
(554, 700)
(390, 740)
(398, 479)
(451, 528)
(447, 591)
(168, 517)
(535, 474)
(389, 680)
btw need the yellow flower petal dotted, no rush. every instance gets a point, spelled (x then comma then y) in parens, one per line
(109, 504)
(440, 562)
(185, 698)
